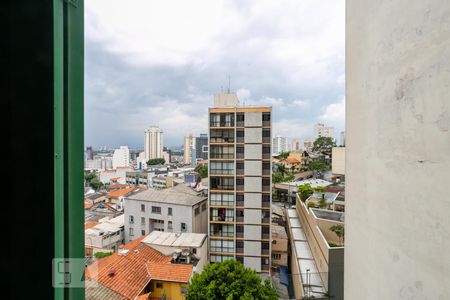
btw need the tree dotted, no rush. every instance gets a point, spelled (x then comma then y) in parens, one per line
(324, 144)
(229, 280)
(281, 169)
(156, 161)
(284, 155)
(317, 166)
(305, 191)
(202, 170)
(339, 230)
(96, 184)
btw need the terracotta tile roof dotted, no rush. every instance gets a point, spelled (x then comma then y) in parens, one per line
(114, 179)
(120, 193)
(117, 186)
(126, 274)
(292, 160)
(90, 224)
(97, 291)
(144, 297)
(170, 272)
(87, 205)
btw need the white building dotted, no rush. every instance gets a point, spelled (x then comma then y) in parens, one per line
(121, 157)
(280, 144)
(177, 209)
(189, 145)
(320, 130)
(296, 145)
(153, 143)
(106, 236)
(342, 138)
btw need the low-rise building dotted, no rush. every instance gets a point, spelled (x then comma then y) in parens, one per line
(137, 271)
(317, 252)
(117, 196)
(279, 245)
(177, 209)
(162, 182)
(191, 248)
(105, 235)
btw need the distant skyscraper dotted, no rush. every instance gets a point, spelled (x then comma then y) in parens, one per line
(342, 141)
(189, 144)
(280, 144)
(240, 183)
(320, 130)
(153, 143)
(296, 145)
(201, 146)
(121, 157)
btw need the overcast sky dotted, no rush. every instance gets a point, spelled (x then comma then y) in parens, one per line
(160, 62)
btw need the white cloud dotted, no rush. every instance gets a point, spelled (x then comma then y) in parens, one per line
(334, 112)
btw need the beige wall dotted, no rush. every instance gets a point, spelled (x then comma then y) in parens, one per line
(338, 160)
(398, 150)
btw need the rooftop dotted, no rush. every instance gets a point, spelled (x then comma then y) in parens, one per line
(179, 194)
(111, 225)
(120, 192)
(278, 232)
(171, 239)
(329, 214)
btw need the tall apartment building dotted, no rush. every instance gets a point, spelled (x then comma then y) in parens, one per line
(189, 143)
(240, 183)
(121, 157)
(280, 144)
(201, 146)
(320, 130)
(296, 145)
(153, 143)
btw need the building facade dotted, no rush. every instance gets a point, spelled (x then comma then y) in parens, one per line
(240, 183)
(153, 143)
(201, 147)
(121, 157)
(188, 148)
(177, 209)
(280, 144)
(296, 145)
(320, 130)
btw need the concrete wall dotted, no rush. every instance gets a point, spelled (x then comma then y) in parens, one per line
(252, 168)
(252, 200)
(338, 160)
(253, 135)
(252, 184)
(253, 151)
(253, 119)
(398, 150)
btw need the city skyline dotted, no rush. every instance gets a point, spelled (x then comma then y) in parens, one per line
(169, 77)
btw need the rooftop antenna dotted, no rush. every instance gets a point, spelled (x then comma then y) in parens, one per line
(229, 83)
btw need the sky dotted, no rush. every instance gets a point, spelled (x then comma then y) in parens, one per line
(159, 63)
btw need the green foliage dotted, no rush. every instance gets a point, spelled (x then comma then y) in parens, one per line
(89, 176)
(317, 165)
(305, 190)
(322, 203)
(229, 280)
(281, 169)
(102, 254)
(277, 177)
(331, 244)
(96, 184)
(312, 205)
(339, 230)
(202, 170)
(284, 154)
(156, 161)
(324, 144)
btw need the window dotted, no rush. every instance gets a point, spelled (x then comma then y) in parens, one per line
(266, 149)
(240, 117)
(183, 289)
(239, 149)
(266, 165)
(221, 246)
(221, 167)
(265, 245)
(239, 181)
(221, 230)
(219, 199)
(239, 244)
(222, 120)
(222, 214)
(266, 181)
(218, 258)
(183, 227)
(222, 183)
(240, 133)
(131, 220)
(143, 221)
(159, 285)
(222, 136)
(131, 231)
(266, 117)
(197, 211)
(156, 209)
(221, 151)
(169, 225)
(169, 211)
(142, 207)
(266, 132)
(276, 256)
(142, 232)
(203, 206)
